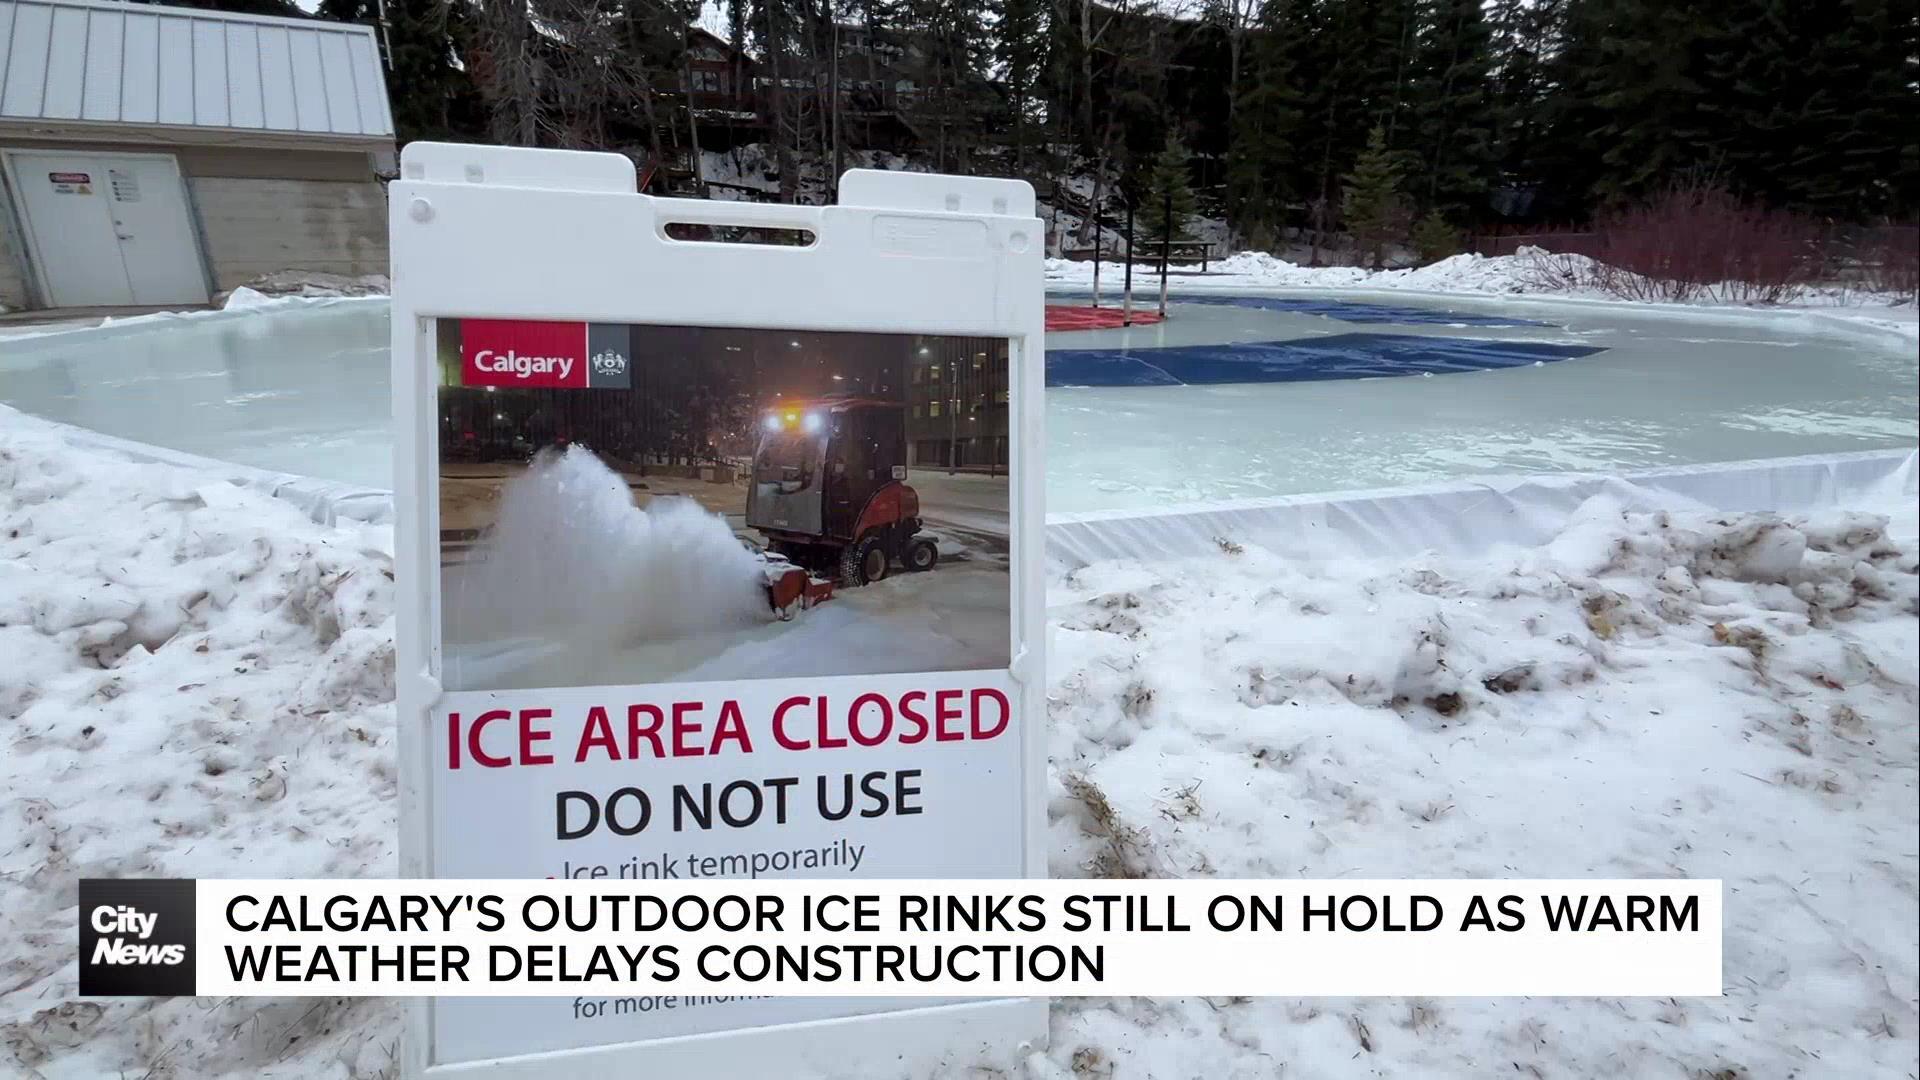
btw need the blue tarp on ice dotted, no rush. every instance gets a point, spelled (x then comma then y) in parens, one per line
(1341, 356)
(1352, 311)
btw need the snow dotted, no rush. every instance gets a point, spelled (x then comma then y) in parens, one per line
(1504, 275)
(199, 683)
(578, 586)
(1648, 695)
(243, 298)
(573, 564)
(308, 283)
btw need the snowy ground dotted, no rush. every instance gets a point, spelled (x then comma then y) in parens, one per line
(1502, 275)
(1646, 696)
(198, 681)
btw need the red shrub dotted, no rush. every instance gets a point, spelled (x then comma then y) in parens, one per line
(1700, 242)
(1887, 260)
(1694, 242)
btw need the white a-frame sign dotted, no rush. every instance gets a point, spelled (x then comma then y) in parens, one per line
(718, 552)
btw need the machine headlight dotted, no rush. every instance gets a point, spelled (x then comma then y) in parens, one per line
(811, 423)
(773, 422)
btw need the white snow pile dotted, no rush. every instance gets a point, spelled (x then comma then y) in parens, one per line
(1529, 271)
(197, 683)
(1649, 695)
(243, 298)
(1502, 274)
(314, 283)
(571, 558)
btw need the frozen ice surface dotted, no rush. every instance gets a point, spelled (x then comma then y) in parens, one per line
(1671, 388)
(298, 387)
(303, 389)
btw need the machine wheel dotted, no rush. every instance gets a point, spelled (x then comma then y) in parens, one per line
(863, 562)
(921, 554)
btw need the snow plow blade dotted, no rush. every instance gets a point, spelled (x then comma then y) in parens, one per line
(791, 589)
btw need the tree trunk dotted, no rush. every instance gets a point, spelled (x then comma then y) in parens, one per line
(783, 152)
(1086, 66)
(693, 125)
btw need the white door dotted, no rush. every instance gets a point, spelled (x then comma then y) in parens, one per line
(109, 229)
(149, 205)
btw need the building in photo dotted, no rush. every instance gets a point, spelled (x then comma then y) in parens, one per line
(159, 155)
(957, 394)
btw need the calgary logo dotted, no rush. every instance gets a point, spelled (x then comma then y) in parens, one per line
(609, 362)
(521, 367)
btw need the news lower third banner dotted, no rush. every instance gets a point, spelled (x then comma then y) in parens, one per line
(900, 938)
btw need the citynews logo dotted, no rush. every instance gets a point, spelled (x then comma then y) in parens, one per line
(136, 937)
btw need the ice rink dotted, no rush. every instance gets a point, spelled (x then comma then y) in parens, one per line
(301, 388)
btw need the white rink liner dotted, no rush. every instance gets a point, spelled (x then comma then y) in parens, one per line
(1469, 517)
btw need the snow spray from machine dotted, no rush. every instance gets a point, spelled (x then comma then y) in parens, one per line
(571, 558)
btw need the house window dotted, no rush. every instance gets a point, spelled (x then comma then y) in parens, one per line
(708, 82)
(933, 408)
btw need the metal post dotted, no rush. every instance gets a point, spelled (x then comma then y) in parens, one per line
(1126, 317)
(1166, 245)
(1096, 261)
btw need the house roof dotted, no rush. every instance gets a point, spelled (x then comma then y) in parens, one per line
(98, 63)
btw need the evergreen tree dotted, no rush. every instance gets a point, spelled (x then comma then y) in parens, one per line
(948, 63)
(1452, 111)
(432, 97)
(1812, 107)
(1434, 239)
(1021, 48)
(1264, 163)
(1168, 189)
(1371, 206)
(1654, 107)
(1351, 65)
(1525, 37)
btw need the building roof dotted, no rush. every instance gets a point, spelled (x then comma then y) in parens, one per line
(98, 63)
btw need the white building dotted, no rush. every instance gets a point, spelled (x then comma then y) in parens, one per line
(156, 155)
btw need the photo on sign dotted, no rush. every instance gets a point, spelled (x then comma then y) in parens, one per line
(626, 504)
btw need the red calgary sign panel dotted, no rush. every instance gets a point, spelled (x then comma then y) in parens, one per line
(520, 352)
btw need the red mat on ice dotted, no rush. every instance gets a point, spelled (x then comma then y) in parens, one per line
(1066, 317)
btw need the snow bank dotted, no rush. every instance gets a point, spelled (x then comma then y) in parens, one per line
(315, 283)
(571, 558)
(1647, 695)
(1506, 274)
(242, 298)
(198, 682)
(1502, 275)
(195, 681)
